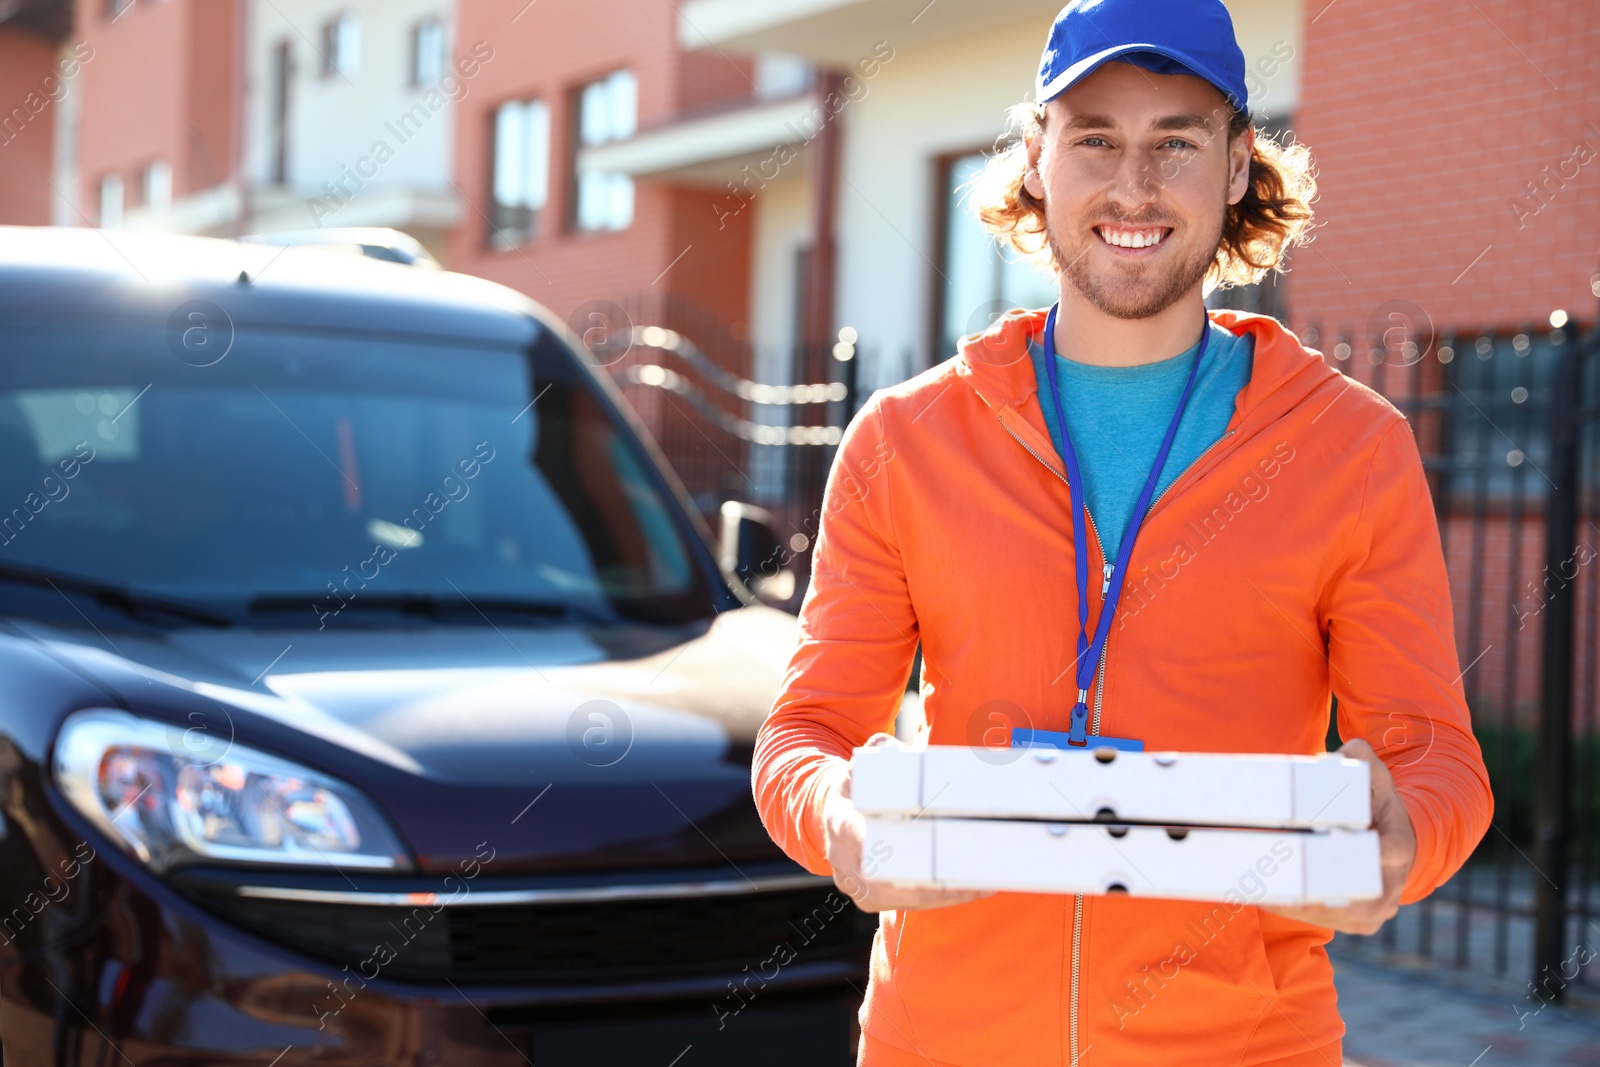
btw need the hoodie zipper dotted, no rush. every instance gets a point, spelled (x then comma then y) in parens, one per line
(1094, 728)
(1099, 701)
(1186, 470)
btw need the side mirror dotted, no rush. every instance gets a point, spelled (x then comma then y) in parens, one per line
(749, 551)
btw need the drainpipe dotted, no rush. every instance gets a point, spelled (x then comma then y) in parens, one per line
(825, 153)
(817, 333)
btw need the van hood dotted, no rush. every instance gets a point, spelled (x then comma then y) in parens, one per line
(557, 746)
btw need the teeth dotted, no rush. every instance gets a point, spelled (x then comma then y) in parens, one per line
(1132, 239)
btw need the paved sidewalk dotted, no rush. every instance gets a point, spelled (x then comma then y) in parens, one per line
(1407, 1017)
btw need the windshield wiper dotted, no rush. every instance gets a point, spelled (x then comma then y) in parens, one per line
(428, 606)
(130, 602)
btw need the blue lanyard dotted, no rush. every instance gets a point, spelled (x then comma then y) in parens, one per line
(1089, 652)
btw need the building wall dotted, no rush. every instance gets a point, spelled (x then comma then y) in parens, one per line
(714, 271)
(160, 87)
(337, 124)
(1425, 150)
(1459, 190)
(211, 103)
(781, 221)
(1270, 36)
(706, 82)
(33, 80)
(913, 112)
(549, 51)
(781, 217)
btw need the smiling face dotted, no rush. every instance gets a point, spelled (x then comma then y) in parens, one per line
(1136, 170)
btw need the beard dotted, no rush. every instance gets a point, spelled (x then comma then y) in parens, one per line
(1143, 290)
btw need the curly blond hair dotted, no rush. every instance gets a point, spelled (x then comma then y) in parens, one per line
(1273, 216)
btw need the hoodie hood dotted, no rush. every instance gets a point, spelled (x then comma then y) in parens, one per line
(1285, 372)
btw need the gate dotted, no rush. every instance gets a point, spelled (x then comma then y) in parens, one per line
(1509, 429)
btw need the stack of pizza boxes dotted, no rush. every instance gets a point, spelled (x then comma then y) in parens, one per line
(1265, 829)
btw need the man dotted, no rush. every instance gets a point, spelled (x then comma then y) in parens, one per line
(1254, 527)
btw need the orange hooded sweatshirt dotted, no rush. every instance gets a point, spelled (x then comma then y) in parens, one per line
(1296, 559)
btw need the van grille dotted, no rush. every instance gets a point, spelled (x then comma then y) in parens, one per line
(590, 942)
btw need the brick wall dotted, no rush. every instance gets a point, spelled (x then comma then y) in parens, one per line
(707, 79)
(549, 52)
(1458, 156)
(160, 87)
(212, 103)
(1428, 119)
(30, 80)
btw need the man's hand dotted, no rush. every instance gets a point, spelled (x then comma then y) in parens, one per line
(1397, 851)
(846, 831)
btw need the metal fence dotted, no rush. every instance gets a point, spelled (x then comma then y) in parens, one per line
(727, 436)
(1509, 428)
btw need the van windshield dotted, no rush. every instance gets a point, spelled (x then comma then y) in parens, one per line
(306, 477)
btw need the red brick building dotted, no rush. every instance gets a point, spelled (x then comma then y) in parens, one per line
(37, 74)
(548, 54)
(606, 251)
(1458, 150)
(159, 122)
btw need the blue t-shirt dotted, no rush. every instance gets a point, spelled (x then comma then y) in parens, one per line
(1118, 415)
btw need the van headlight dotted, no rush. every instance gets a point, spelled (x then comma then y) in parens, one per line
(171, 801)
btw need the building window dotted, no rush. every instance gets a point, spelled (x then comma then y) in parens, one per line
(427, 52)
(607, 111)
(521, 171)
(156, 185)
(978, 280)
(341, 46)
(111, 202)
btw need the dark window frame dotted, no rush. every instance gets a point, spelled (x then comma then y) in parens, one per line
(943, 169)
(414, 68)
(576, 144)
(329, 36)
(939, 203)
(499, 237)
(280, 103)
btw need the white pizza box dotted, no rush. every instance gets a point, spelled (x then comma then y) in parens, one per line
(1178, 788)
(1288, 867)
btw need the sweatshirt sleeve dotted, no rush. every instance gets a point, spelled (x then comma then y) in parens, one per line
(857, 637)
(1394, 665)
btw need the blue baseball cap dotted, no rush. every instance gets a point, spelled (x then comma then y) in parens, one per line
(1164, 36)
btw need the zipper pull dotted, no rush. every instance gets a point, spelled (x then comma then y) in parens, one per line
(1105, 586)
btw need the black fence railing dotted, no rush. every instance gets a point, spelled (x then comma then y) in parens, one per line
(728, 436)
(1509, 428)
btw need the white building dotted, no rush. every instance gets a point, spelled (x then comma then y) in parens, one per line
(349, 120)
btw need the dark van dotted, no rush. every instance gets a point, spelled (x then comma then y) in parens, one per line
(370, 693)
